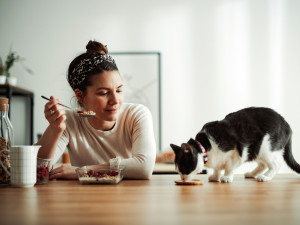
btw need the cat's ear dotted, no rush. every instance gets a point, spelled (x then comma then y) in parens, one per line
(175, 148)
(194, 143)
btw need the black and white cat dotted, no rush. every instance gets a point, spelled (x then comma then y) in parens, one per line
(250, 134)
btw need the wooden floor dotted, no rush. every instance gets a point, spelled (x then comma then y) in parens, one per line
(156, 201)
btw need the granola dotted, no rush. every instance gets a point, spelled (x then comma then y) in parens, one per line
(5, 159)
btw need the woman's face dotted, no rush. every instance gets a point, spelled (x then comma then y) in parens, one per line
(104, 96)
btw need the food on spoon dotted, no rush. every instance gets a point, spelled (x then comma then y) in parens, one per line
(86, 112)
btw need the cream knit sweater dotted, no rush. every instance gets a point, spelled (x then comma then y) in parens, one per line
(131, 138)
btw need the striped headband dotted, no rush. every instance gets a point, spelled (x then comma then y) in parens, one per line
(81, 70)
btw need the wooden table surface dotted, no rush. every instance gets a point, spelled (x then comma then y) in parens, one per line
(156, 201)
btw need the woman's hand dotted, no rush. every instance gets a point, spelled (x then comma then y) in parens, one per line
(65, 172)
(55, 114)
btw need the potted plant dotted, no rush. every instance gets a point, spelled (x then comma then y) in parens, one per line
(11, 59)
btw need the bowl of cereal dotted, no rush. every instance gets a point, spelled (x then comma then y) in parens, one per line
(94, 175)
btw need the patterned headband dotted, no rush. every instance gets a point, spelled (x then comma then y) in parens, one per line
(80, 71)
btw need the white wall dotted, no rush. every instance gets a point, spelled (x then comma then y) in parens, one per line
(217, 55)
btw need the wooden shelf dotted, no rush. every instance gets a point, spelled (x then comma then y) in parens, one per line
(9, 91)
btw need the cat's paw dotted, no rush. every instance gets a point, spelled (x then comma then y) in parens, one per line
(249, 175)
(213, 178)
(263, 178)
(226, 179)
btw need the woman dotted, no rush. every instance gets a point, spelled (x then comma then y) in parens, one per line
(118, 135)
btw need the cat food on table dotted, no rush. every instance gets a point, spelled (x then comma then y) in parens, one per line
(192, 182)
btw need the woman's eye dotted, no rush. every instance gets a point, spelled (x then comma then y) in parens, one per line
(102, 93)
(119, 91)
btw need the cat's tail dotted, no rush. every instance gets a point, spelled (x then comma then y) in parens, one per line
(289, 158)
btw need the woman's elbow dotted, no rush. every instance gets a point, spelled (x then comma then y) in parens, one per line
(142, 171)
(145, 174)
(147, 169)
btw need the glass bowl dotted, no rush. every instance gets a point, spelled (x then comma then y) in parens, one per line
(42, 170)
(93, 175)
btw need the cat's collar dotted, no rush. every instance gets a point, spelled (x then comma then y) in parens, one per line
(203, 151)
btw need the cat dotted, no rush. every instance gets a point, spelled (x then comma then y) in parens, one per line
(252, 134)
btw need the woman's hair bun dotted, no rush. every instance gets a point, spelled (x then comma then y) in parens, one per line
(94, 46)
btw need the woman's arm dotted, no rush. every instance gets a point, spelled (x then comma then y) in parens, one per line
(48, 143)
(141, 165)
(55, 115)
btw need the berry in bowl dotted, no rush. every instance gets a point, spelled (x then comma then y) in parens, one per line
(93, 175)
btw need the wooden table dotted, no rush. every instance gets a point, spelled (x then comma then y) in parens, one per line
(156, 201)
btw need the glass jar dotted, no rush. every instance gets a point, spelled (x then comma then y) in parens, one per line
(42, 170)
(6, 141)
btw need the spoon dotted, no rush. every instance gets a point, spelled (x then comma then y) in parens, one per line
(79, 112)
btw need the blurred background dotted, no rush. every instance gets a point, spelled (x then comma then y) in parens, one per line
(217, 56)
